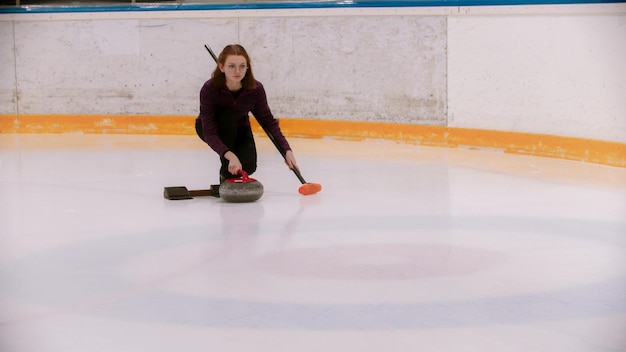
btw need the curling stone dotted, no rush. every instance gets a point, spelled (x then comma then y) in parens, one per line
(241, 190)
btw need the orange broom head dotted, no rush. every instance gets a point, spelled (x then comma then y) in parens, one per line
(309, 188)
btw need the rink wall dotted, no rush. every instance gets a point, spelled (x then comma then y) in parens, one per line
(544, 80)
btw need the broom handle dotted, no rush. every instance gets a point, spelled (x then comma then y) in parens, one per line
(280, 150)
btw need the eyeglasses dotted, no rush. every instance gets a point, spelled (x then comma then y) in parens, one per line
(234, 68)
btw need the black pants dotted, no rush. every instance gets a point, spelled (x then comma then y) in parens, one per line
(238, 139)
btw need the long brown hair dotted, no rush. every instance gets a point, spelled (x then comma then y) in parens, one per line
(219, 78)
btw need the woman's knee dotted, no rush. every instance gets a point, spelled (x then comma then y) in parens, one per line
(199, 129)
(250, 168)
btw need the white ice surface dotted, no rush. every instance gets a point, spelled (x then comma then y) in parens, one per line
(407, 248)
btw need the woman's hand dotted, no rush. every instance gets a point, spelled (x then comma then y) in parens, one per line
(234, 165)
(290, 160)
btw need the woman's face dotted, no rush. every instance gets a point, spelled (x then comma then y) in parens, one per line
(234, 68)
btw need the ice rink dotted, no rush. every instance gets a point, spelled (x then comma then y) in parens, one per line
(407, 248)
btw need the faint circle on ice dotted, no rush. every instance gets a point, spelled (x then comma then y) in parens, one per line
(379, 261)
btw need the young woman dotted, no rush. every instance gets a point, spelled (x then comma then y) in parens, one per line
(225, 103)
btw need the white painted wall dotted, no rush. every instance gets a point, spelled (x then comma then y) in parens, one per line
(558, 71)
(558, 75)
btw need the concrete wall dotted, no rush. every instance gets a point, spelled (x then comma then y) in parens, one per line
(8, 103)
(521, 69)
(152, 67)
(375, 68)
